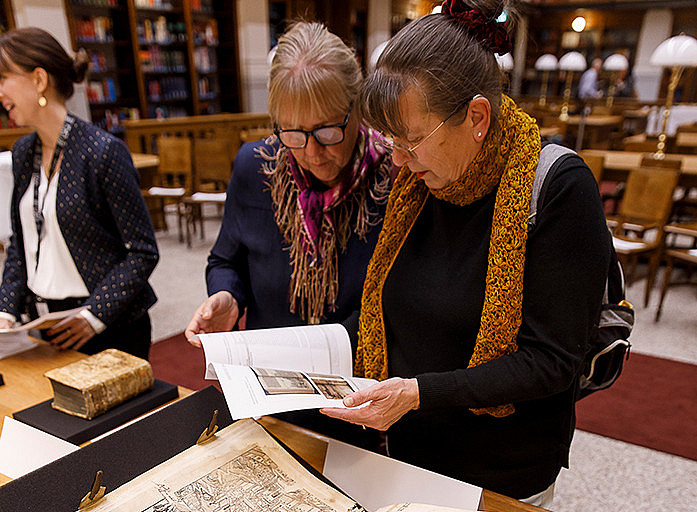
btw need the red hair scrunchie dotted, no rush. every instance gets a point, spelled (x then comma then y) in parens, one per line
(488, 31)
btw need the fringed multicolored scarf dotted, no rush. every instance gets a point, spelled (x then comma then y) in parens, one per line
(507, 160)
(316, 223)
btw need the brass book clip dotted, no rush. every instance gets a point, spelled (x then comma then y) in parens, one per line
(96, 493)
(210, 430)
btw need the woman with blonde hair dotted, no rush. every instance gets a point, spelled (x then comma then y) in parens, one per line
(305, 206)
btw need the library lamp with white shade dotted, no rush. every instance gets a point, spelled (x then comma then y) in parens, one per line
(676, 52)
(504, 61)
(614, 63)
(545, 63)
(570, 62)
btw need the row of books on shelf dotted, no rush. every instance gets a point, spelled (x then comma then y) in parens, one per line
(114, 118)
(161, 31)
(154, 4)
(96, 3)
(163, 112)
(167, 88)
(103, 91)
(204, 89)
(205, 6)
(98, 62)
(205, 33)
(155, 60)
(93, 29)
(204, 60)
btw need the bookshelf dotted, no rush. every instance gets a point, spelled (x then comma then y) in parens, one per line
(227, 56)
(157, 58)
(102, 28)
(161, 53)
(203, 47)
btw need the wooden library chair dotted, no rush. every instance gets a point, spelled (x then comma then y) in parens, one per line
(638, 229)
(212, 170)
(172, 181)
(684, 255)
(684, 204)
(596, 163)
(252, 134)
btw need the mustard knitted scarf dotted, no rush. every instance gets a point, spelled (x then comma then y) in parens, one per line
(508, 159)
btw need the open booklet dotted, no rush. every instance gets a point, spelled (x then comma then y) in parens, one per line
(17, 339)
(267, 371)
(44, 321)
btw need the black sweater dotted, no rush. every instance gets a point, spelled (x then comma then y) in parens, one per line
(433, 299)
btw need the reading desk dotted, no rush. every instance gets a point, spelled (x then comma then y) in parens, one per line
(25, 385)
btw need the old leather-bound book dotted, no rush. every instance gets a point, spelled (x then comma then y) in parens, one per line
(91, 386)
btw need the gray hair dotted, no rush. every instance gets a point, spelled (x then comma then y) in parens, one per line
(441, 58)
(313, 71)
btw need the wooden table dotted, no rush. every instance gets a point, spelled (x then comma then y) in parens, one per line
(312, 448)
(596, 131)
(686, 141)
(145, 161)
(618, 164)
(25, 385)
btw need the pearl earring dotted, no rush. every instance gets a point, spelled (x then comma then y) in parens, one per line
(479, 134)
(42, 101)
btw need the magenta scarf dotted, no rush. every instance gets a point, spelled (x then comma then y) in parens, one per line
(314, 205)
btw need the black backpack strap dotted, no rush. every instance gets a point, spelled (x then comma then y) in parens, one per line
(551, 157)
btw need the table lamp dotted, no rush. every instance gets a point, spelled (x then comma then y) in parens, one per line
(545, 63)
(505, 61)
(614, 63)
(570, 62)
(678, 52)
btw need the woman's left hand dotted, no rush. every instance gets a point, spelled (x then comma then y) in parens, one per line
(389, 400)
(73, 332)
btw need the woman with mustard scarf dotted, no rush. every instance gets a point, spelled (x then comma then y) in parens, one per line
(476, 330)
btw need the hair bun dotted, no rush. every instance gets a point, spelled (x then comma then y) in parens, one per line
(81, 62)
(486, 29)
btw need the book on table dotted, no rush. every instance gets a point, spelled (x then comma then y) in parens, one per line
(91, 386)
(242, 468)
(267, 371)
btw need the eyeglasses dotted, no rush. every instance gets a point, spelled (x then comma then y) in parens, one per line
(324, 135)
(411, 151)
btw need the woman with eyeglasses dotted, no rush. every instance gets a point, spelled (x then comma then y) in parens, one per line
(476, 330)
(304, 208)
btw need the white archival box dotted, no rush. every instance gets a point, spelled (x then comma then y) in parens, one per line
(375, 481)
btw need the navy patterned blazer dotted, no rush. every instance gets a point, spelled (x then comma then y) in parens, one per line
(103, 219)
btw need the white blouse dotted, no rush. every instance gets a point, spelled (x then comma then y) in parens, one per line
(56, 276)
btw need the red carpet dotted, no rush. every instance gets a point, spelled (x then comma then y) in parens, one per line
(653, 404)
(175, 360)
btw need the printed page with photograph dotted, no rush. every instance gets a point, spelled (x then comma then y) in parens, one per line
(241, 468)
(251, 392)
(267, 371)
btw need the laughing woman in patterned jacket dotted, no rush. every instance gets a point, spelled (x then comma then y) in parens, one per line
(82, 236)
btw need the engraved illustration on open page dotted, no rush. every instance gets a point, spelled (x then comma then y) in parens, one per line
(242, 469)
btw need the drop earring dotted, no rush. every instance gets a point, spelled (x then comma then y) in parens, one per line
(42, 101)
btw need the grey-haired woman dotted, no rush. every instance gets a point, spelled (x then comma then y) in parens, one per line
(476, 330)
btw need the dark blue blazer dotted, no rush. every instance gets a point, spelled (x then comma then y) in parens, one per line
(251, 260)
(103, 219)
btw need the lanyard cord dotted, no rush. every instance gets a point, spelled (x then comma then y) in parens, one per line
(36, 174)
